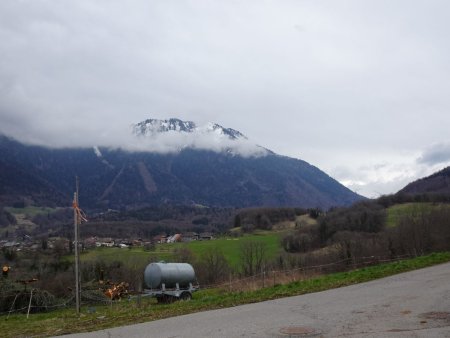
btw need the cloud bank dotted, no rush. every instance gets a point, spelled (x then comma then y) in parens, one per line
(174, 141)
(171, 141)
(339, 84)
(435, 154)
(387, 173)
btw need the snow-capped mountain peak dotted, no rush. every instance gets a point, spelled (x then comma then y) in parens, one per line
(219, 130)
(150, 127)
(174, 135)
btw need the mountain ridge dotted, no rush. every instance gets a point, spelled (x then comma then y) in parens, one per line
(436, 183)
(115, 178)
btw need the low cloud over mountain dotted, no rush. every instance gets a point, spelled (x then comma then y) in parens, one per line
(157, 136)
(173, 135)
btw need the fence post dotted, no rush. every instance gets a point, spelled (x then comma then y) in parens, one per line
(29, 305)
(263, 273)
(12, 306)
(139, 296)
(138, 300)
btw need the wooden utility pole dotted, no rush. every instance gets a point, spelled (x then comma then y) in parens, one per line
(76, 223)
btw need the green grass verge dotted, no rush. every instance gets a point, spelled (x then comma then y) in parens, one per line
(127, 312)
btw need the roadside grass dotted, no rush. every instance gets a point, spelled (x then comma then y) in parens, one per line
(128, 312)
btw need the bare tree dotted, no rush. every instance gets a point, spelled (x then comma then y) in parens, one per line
(212, 267)
(413, 232)
(183, 255)
(252, 254)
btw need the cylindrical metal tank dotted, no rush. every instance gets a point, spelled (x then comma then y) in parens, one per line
(169, 274)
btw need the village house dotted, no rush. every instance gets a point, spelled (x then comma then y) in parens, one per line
(160, 239)
(206, 236)
(174, 238)
(90, 242)
(189, 237)
(108, 242)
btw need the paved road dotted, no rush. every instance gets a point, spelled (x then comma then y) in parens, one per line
(412, 304)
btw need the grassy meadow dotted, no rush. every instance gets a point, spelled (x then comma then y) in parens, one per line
(397, 211)
(167, 252)
(30, 211)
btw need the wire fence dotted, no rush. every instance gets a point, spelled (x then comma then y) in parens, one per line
(33, 308)
(35, 303)
(306, 271)
(265, 278)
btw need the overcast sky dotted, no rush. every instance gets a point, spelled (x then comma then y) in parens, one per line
(358, 88)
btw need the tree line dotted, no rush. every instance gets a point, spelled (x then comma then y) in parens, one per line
(361, 231)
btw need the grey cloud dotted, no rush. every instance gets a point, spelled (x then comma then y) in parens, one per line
(304, 78)
(374, 179)
(124, 138)
(172, 141)
(435, 154)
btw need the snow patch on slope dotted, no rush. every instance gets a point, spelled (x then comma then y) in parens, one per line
(97, 151)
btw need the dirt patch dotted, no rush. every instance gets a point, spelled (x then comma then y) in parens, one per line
(436, 315)
(299, 331)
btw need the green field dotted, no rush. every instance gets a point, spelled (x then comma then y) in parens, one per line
(396, 212)
(128, 256)
(228, 245)
(30, 211)
(23, 217)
